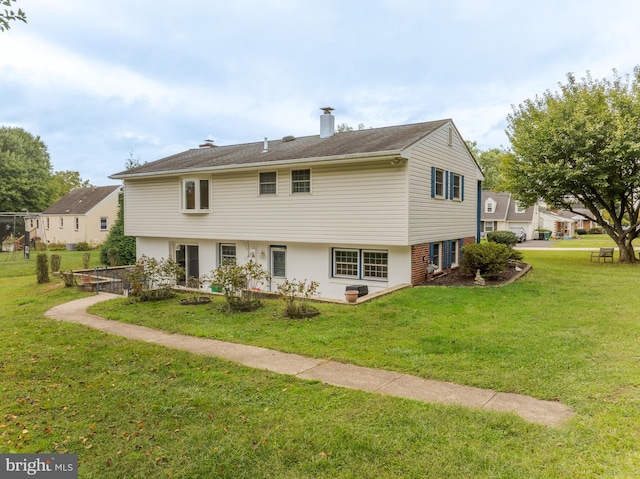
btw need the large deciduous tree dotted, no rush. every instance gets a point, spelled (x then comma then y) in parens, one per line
(25, 171)
(65, 181)
(9, 15)
(582, 145)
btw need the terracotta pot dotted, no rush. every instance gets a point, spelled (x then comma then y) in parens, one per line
(351, 295)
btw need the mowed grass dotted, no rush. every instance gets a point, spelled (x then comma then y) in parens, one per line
(569, 331)
(590, 241)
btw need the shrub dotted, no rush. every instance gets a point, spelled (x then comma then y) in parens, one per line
(503, 237)
(295, 295)
(42, 268)
(581, 231)
(69, 278)
(56, 259)
(83, 246)
(240, 284)
(85, 260)
(490, 258)
(153, 279)
(112, 256)
(596, 230)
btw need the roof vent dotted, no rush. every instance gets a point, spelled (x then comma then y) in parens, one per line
(288, 138)
(207, 144)
(327, 123)
(266, 145)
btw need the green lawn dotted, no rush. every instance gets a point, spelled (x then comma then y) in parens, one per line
(567, 331)
(589, 241)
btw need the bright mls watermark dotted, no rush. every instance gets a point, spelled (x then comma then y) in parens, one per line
(40, 466)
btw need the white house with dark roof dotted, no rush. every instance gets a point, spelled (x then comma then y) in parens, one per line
(378, 207)
(500, 211)
(82, 215)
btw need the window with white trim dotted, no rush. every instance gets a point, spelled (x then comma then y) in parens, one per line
(436, 255)
(227, 254)
(195, 195)
(268, 183)
(301, 181)
(103, 223)
(439, 183)
(454, 253)
(489, 206)
(360, 264)
(456, 186)
(375, 264)
(519, 208)
(76, 223)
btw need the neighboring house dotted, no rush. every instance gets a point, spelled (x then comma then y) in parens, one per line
(500, 211)
(82, 215)
(373, 207)
(560, 223)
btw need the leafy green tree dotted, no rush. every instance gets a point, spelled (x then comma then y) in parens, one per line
(582, 145)
(65, 181)
(10, 15)
(491, 163)
(25, 170)
(118, 249)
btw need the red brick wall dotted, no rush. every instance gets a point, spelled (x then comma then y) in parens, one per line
(420, 260)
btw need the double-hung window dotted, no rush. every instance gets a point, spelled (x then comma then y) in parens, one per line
(104, 225)
(439, 183)
(301, 181)
(227, 254)
(436, 255)
(456, 186)
(360, 264)
(268, 183)
(195, 195)
(76, 223)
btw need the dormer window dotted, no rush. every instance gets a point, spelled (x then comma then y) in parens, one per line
(489, 206)
(195, 195)
(519, 209)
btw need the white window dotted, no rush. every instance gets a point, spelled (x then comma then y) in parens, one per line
(436, 255)
(360, 264)
(301, 181)
(375, 264)
(268, 183)
(456, 186)
(227, 254)
(103, 223)
(489, 206)
(519, 209)
(439, 183)
(454, 253)
(76, 223)
(488, 226)
(195, 195)
(345, 263)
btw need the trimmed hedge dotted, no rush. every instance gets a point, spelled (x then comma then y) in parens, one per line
(490, 258)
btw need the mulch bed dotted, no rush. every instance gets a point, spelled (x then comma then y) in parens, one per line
(457, 278)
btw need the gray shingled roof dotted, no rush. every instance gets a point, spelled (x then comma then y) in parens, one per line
(500, 210)
(373, 140)
(80, 201)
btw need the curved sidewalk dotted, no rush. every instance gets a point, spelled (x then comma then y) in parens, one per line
(548, 413)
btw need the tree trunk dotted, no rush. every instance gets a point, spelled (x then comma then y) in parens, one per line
(627, 255)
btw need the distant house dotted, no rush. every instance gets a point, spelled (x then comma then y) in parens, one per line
(375, 208)
(82, 215)
(500, 211)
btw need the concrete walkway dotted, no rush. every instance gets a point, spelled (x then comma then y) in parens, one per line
(548, 413)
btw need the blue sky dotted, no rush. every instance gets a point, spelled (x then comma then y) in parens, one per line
(98, 80)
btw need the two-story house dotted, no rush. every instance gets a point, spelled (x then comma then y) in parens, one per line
(83, 215)
(500, 212)
(378, 207)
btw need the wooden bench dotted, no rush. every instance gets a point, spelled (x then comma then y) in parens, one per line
(604, 254)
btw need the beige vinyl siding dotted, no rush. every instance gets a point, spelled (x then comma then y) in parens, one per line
(350, 204)
(152, 208)
(434, 219)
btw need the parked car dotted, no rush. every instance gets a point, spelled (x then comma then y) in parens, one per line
(520, 233)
